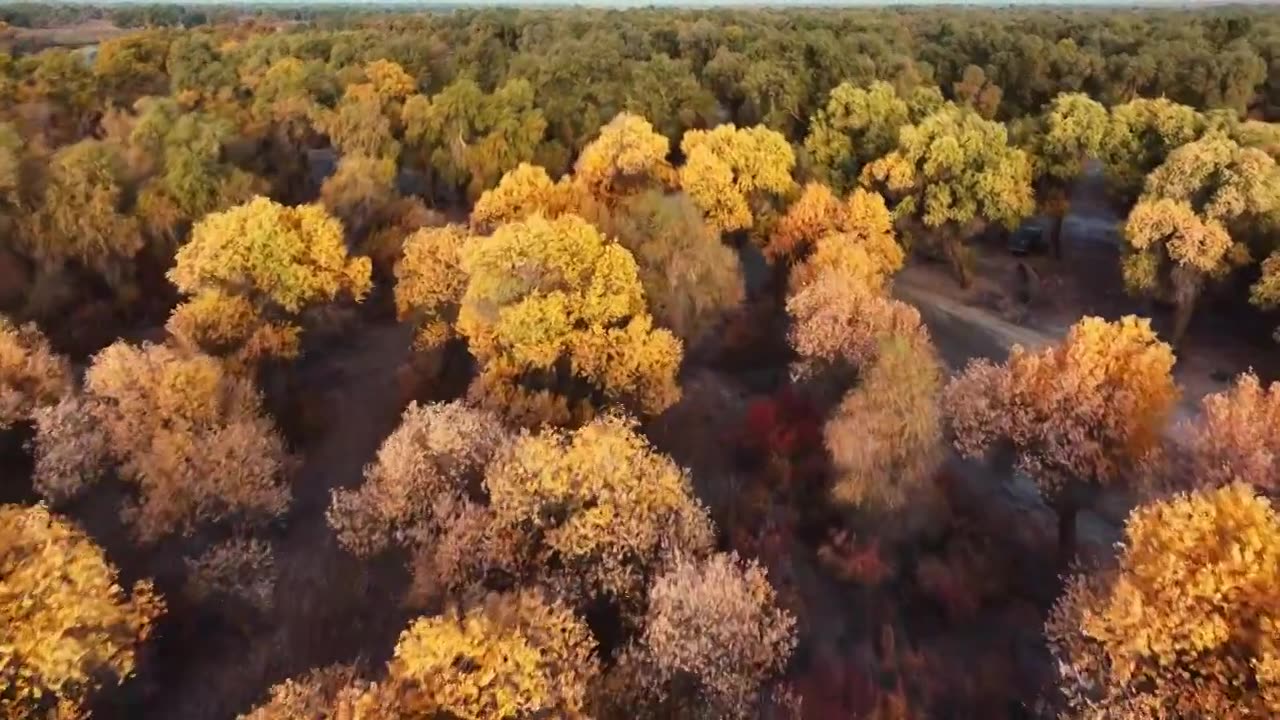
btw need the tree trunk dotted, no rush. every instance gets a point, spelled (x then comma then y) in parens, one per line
(1186, 290)
(954, 250)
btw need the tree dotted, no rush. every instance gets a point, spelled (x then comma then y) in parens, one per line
(951, 174)
(437, 451)
(1234, 437)
(1185, 624)
(858, 125)
(627, 157)
(860, 246)
(838, 323)
(1179, 233)
(666, 91)
(885, 437)
(68, 626)
(728, 169)
(79, 218)
(189, 436)
(975, 90)
(286, 100)
(714, 622)
(1070, 131)
(357, 126)
(515, 657)
(252, 269)
(1085, 413)
(602, 512)
(31, 374)
(471, 139)
(526, 190)
(132, 66)
(188, 176)
(1142, 134)
(555, 314)
(691, 279)
(430, 283)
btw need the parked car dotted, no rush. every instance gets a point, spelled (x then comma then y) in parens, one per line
(1028, 238)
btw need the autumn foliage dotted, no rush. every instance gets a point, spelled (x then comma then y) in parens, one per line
(68, 626)
(1185, 624)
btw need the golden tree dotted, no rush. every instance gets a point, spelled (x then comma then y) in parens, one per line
(691, 279)
(603, 510)
(729, 170)
(627, 156)
(1187, 623)
(512, 657)
(555, 314)
(1179, 234)
(430, 282)
(1234, 437)
(190, 436)
(885, 437)
(31, 374)
(252, 269)
(857, 126)
(1087, 412)
(522, 192)
(1070, 131)
(952, 174)
(68, 625)
(515, 656)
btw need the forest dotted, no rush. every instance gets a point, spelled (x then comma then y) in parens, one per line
(875, 364)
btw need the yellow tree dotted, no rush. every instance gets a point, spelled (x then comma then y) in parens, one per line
(602, 511)
(555, 314)
(838, 323)
(862, 245)
(31, 374)
(526, 190)
(1179, 233)
(627, 156)
(1187, 623)
(188, 435)
(713, 638)
(67, 625)
(430, 283)
(517, 656)
(1141, 135)
(728, 172)
(1085, 413)
(951, 175)
(252, 270)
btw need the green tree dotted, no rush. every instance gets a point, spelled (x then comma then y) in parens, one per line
(1180, 233)
(951, 175)
(857, 125)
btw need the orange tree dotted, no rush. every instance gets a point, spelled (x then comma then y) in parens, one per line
(1085, 413)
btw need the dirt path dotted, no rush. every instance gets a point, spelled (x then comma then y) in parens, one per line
(329, 605)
